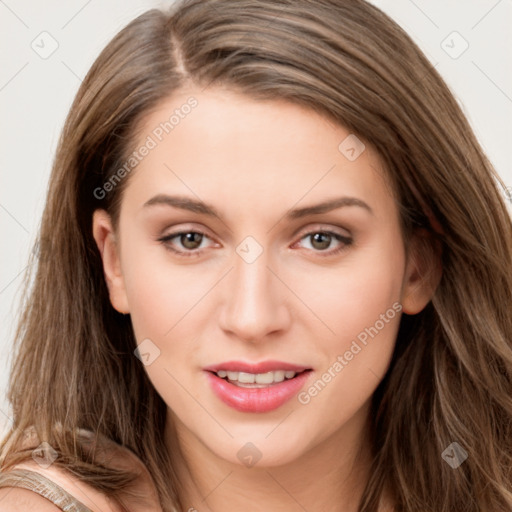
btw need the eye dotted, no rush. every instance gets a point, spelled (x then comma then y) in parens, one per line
(321, 241)
(189, 242)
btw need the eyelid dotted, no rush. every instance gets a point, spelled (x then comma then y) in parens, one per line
(325, 228)
(181, 229)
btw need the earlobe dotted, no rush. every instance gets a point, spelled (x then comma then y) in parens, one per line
(105, 238)
(423, 272)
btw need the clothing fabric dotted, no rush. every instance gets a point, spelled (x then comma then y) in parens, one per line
(41, 485)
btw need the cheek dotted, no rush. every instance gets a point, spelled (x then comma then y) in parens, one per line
(363, 309)
(160, 293)
(353, 296)
(165, 307)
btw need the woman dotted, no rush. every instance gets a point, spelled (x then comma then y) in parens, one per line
(274, 271)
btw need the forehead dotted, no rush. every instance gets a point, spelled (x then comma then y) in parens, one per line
(233, 150)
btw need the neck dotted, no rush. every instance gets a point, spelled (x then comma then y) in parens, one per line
(328, 476)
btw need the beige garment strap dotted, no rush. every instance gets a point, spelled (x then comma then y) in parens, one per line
(38, 483)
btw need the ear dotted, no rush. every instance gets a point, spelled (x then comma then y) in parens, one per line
(423, 272)
(104, 235)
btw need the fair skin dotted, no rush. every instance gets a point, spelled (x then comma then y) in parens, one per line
(298, 302)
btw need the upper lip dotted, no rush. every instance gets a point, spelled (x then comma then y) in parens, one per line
(262, 367)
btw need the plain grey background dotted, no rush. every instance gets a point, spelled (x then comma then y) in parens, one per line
(49, 46)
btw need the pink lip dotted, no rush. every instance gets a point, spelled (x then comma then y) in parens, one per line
(263, 367)
(256, 399)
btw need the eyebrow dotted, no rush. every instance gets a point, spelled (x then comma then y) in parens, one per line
(196, 206)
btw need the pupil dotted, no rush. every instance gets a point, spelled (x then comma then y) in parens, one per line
(323, 240)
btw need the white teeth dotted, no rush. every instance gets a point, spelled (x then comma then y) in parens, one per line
(264, 378)
(279, 376)
(246, 378)
(256, 378)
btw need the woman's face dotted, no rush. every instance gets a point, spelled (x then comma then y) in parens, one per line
(259, 239)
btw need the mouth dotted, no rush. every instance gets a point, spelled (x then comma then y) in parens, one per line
(257, 380)
(259, 387)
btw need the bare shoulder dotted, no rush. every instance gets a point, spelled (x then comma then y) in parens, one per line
(13, 499)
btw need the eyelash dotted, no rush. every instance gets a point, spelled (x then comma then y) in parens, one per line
(346, 241)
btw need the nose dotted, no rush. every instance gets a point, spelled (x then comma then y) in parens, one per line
(255, 303)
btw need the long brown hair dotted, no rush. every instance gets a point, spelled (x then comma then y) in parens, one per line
(450, 379)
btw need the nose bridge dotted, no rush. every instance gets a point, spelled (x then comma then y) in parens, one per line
(253, 304)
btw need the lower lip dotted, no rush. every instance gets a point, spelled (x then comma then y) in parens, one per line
(257, 399)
